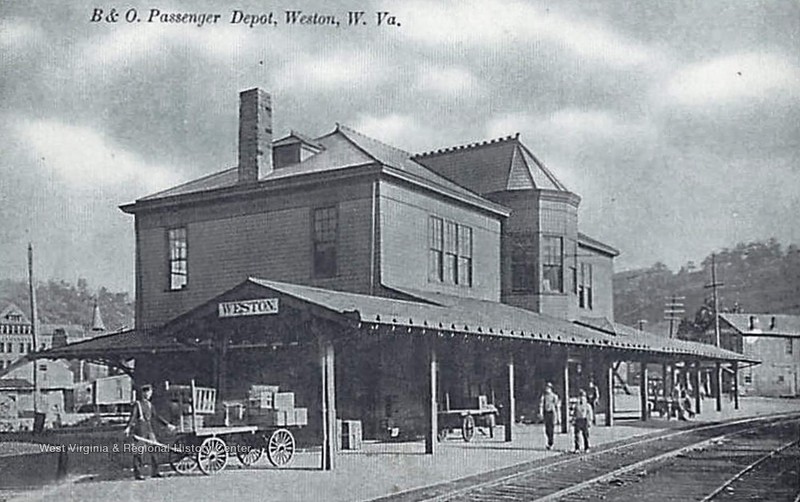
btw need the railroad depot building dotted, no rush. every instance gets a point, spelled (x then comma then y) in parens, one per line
(377, 285)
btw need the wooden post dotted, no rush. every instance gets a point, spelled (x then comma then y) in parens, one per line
(644, 391)
(718, 384)
(736, 385)
(565, 398)
(510, 404)
(328, 404)
(697, 384)
(221, 353)
(610, 394)
(665, 384)
(431, 410)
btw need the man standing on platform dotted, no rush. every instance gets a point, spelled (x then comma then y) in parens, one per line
(583, 415)
(593, 396)
(549, 408)
(141, 425)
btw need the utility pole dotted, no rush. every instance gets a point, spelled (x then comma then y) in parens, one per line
(673, 311)
(714, 285)
(34, 328)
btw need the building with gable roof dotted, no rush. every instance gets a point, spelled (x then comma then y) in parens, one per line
(438, 280)
(773, 339)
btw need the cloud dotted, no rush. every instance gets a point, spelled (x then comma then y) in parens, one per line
(495, 22)
(568, 125)
(145, 43)
(322, 71)
(403, 131)
(447, 81)
(84, 158)
(17, 33)
(732, 78)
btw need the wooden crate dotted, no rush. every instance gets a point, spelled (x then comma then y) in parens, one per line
(284, 401)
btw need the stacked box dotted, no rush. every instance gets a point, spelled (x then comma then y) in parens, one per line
(187, 423)
(262, 396)
(283, 401)
(351, 435)
(300, 416)
(268, 418)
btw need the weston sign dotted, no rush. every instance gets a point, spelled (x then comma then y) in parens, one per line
(263, 306)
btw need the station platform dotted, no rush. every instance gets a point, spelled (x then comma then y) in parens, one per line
(381, 469)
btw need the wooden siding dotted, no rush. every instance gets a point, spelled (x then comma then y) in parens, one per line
(269, 237)
(404, 217)
(602, 284)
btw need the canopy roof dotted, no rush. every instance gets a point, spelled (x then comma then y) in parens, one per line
(424, 313)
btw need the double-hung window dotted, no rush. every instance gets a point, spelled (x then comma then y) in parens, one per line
(449, 252)
(552, 264)
(326, 222)
(435, 249)
(523, 264)
(585, 288)
(178, 258)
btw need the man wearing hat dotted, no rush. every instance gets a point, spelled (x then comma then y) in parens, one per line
(549, 407)
(140, 425)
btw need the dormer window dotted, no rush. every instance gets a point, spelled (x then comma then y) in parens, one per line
(293, 149)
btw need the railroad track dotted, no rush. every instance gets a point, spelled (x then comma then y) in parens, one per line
(724, 461)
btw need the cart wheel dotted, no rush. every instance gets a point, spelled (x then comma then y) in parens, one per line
(468, 428)
(181, 458)
(212, 457)
(247, 452)
(280, 448)
(441, 435)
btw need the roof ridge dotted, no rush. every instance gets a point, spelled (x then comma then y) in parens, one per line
(351, 130)
(477, 144)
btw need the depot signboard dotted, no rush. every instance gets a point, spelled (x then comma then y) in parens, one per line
(262, 306)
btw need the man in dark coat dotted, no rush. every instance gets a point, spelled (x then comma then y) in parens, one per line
(140, 425)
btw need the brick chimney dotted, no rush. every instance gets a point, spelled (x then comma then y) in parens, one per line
(255, 135)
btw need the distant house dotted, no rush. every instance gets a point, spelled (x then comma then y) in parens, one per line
(773, 339)
(55, 378)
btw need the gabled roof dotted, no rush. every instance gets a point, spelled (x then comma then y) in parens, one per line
(341, 149)
(297, 137)
(490, 319)
(628, 335)
(492, 166)
(585, 240)
(12, 310)
(764, 324)
(425, 314)
(125, 344)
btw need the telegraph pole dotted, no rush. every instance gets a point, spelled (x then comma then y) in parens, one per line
(673, 311)
(714, 285)
(34, 328)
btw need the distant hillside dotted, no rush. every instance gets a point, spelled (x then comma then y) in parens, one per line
(758, 277)
(60, 302)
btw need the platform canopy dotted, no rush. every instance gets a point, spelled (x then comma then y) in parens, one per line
(262, 313)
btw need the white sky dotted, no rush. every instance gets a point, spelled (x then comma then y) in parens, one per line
(679, 125)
